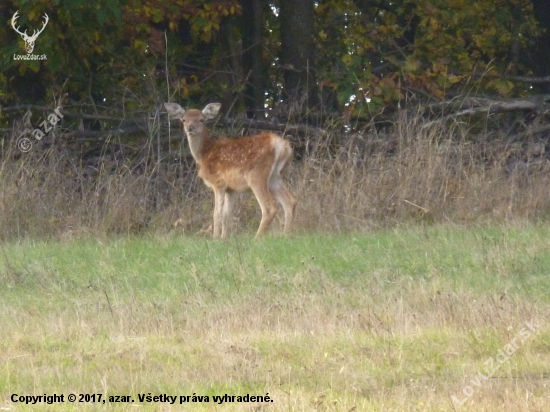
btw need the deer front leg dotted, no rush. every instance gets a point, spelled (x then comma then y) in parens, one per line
(227, 211)
(218, 210)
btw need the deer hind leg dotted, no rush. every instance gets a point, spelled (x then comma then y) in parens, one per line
(227, 211)
(283, 154)
(267, 204)
(284, 198)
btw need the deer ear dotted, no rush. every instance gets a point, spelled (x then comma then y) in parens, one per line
(174, 110)
(211, 110)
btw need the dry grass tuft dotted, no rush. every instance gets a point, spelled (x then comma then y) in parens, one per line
(413, 172)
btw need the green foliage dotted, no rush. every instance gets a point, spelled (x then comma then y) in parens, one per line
(367, 51)
(94, 47)
(424, 47)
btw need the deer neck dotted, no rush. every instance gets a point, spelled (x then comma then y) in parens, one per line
(198, 145)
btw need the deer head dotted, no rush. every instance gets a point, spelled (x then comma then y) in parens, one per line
(194, 124)
(29, 40)
(193, 119)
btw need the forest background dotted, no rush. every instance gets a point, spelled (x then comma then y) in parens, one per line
(373, 87)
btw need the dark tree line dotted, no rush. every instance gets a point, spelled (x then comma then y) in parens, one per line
(298, 56)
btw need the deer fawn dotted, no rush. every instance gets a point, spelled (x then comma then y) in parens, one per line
(228, 166)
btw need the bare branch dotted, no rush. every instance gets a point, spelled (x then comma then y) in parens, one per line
(532, 132)
(266, 125)
(71, 115)
(528, 79)
(477, 105)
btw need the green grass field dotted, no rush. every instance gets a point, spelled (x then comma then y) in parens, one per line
(396, 320)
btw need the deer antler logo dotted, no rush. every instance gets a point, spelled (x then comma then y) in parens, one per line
(29, 40)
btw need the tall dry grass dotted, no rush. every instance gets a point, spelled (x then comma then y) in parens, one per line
(412, 171)
(424, 171)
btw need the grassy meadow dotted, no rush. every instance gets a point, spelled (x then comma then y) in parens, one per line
(416, 277)
(398, 319)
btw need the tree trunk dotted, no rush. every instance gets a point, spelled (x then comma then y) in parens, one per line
(297, 53)
(542, 56)
(230, 69)
(254, 71)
